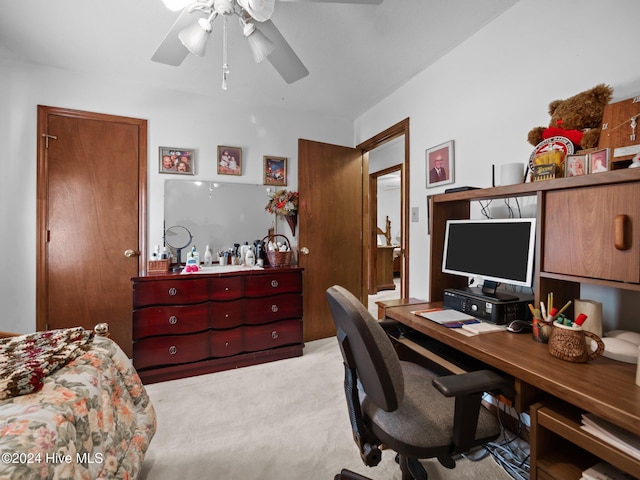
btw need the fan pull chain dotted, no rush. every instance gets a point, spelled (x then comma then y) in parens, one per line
(225, 65)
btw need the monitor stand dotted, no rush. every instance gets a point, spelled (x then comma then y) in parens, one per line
(490, 292)
(490, 289)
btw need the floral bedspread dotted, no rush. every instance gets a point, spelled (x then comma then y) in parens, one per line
(91, 419)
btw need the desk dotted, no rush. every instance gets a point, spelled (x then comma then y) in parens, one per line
(603, 387)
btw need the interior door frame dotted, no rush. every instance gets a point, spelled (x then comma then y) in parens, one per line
(373, 214)
(371, 222)
(42, 195)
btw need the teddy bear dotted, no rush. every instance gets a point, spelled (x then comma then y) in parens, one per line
(577, 118)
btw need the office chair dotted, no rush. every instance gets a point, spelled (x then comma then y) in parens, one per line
(403, 406)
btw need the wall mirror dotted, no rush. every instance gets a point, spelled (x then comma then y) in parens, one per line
(217, 214)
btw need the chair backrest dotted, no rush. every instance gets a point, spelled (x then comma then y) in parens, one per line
(366, 347)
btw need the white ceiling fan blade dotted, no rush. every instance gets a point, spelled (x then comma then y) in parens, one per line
(171, 51)
(283, 58)
(354, 2)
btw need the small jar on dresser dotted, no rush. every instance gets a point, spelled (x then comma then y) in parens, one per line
(185, 325)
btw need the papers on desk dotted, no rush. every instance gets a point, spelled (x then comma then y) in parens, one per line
(484, 327)
(612, 434)
(447, 317)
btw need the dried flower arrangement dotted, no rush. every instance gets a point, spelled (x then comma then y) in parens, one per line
(283, 202)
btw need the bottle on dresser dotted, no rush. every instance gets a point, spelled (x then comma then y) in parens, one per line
(195, 255)
(208, 257)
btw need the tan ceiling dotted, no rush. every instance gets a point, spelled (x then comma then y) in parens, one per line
(356, 54)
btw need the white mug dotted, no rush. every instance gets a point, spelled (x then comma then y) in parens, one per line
(511, 174)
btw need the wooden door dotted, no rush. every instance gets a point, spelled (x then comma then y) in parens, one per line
(331, 215)
(91, 209)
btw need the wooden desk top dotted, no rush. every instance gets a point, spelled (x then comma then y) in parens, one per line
(603, 386)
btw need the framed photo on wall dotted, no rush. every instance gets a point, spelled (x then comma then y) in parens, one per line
(440, 164)
(229, 160)
(576, 165)
(179, 161)
(275, 171)
(599, 161)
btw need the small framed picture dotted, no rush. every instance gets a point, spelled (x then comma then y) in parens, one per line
(179, 161)
(440, 164)
(275, 171)
(576, 165)
(229, 160)
(599, 161)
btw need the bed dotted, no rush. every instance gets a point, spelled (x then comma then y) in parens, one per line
(71, 407)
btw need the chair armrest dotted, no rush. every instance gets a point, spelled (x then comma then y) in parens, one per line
(472, 383)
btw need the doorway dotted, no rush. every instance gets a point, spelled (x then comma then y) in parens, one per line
(335, 228)
(387, 166)
(385, 254)
(91, 211)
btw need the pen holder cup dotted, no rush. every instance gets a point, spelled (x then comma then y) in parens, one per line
(570, 344)
(541, 331)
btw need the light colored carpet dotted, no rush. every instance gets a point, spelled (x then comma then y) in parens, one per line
(284, 419)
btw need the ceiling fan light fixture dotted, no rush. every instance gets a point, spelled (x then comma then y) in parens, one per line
(261, 47)
(196, 36)
(260, 10)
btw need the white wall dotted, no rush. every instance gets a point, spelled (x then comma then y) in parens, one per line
(492, 89)
(174, 119)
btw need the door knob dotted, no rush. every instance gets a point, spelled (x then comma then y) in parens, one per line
(304, 251)
(131, 253)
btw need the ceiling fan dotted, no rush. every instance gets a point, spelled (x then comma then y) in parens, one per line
(191, 31)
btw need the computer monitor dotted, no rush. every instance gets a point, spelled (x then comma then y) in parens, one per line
(497, 250)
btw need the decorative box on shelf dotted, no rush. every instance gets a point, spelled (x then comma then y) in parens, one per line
(157, 266)
(620, 131)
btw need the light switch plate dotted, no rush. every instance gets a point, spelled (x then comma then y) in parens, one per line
(415, 214)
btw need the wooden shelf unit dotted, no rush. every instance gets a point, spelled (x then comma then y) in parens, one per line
(575, 243)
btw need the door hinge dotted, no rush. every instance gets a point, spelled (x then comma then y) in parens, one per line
(48, 236)
(47, 137)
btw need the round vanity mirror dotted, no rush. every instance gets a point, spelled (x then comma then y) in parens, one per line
(177, 238)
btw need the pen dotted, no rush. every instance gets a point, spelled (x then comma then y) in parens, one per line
(550, 302)
(566, 305)
(544, 312)
(533, 311)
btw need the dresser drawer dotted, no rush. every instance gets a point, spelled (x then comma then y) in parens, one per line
(226, 288)
(270, 309)
(226, 314)
(170, 320)
(225, 343)
(170, 350)
(278, 334)
(273, 284)
(170, 292)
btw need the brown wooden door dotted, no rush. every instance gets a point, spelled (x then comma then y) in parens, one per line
(91, 209)
(330, 184)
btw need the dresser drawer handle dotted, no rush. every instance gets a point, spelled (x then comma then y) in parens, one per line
(226, 344)
(274, 308)
(226, 289)
(173, 350)
(173, 320)
(274, 335)
(173, 291)
(274, 283)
